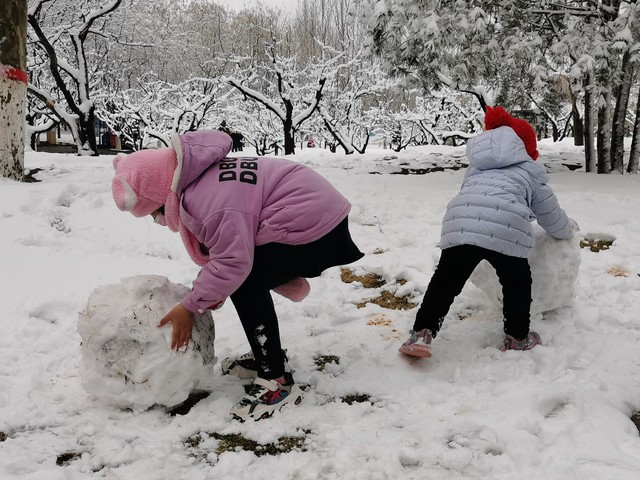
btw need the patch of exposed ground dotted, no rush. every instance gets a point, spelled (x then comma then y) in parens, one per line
(368, 280)
(388, 300)
(385, 299)
(321, 361)
(67, 457)
(596, 245)
(617, 272)
(233, 442)
(356, 398)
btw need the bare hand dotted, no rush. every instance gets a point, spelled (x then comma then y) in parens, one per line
(182, 321)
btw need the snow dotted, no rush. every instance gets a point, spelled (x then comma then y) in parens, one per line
(125, 359)
(555, 265)
(560, 411)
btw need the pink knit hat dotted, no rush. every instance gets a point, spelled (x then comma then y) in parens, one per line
(499, 117)
(142, 182)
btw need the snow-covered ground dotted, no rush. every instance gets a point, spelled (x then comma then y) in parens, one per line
(560, 411)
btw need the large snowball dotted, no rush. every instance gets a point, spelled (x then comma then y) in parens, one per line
(554, 269)
(126, 358)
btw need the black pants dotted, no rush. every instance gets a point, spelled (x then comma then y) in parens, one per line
(454, 269)
(275, 264)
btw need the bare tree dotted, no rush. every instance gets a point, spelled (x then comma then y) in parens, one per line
(284, 89)
(13, 86)
(156, 109)
(60, 34)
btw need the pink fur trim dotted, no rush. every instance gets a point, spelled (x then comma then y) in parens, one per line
(125, 198)
(176, 143)
(296, 290)
(117, 159)
(192, 245)
(172, 212)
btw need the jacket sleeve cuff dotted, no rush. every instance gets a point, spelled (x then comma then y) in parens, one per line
(195, 308)
(190, 304)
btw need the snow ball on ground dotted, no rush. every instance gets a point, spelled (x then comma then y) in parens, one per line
(554, 269)
(126, 358)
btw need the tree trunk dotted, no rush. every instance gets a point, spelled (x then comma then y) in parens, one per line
(338, 137)
(578, 126)
(619, 114)
(590, 161)
(604, 135)
(87, 133)
(634, 156)
(289, 140)
(13, 87)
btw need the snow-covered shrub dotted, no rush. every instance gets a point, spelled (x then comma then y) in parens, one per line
(126, 358)
(554, 269)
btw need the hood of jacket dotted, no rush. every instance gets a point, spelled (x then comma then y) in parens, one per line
(196, 152)
(496, 148)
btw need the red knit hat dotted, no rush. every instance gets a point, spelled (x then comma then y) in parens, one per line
(498, 117)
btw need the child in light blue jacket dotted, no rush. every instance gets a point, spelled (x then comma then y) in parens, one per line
(503, 191)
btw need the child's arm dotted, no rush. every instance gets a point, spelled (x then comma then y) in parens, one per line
(230, 238)
(550, 216)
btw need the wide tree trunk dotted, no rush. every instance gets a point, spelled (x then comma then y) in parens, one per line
(604, 135)
(578, 125)
(634, 156)
(87, 133)
(590, 161)
(289, 140)
(13, 87)
(619, 114)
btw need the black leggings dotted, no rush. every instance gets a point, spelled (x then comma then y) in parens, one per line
(275, 264)
(454, 269)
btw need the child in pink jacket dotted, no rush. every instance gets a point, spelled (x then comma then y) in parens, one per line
(253, 225)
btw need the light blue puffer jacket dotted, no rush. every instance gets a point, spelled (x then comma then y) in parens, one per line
(503, 191)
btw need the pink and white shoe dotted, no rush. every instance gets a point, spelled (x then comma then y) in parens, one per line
(266, 397)
(527, 343)
(418, 344)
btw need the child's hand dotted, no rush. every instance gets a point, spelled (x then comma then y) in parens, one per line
(182, 321)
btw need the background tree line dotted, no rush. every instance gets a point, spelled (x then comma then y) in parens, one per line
(410, 71)
(524, 53)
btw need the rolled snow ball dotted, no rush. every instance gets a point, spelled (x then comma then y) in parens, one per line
(554, 271)
(127, 360)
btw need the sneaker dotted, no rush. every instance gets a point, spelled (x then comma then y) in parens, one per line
(527, 343)
(244, 366)
(266, 397)
(418, 344)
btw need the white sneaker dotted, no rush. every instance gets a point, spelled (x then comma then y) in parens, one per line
(266, 397)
